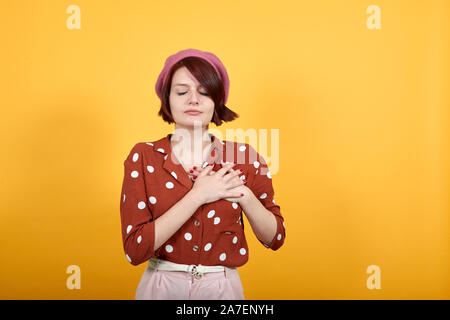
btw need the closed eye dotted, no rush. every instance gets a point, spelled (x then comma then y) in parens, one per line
(181, 93)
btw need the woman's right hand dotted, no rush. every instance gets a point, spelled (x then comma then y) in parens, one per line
(211, 186)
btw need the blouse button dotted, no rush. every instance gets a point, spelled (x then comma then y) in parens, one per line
(195, 248)
(196, 223)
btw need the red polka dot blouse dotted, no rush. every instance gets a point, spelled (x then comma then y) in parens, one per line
(214, 234)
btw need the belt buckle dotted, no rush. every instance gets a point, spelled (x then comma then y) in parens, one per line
(198, 276)
(194, 272)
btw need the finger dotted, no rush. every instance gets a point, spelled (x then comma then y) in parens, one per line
(198, 170)
(235, 183)
(235, 199)
(224, 169)
(233, 174)
(205, 171)
(241, 178)
(234, 194)
(223, 163)
(195, 170)
(226, 164)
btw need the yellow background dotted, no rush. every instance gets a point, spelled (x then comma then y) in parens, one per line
(364, 139)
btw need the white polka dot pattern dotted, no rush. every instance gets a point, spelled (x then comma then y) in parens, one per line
(169, 185)
(215, 233)
(141, 205)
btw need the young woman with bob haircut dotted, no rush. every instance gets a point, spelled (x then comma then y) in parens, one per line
(183, 195)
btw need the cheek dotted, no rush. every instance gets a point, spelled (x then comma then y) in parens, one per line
(210, 106)
(173, 99)
(176, 105)
(208, 113)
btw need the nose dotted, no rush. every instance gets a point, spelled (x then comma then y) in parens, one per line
(193, 98)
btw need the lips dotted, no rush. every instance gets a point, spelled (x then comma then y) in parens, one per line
(192, 112)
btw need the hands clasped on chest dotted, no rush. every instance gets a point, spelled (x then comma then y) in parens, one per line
(224, 184)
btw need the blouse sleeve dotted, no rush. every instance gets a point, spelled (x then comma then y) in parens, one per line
(260, 182)
(138, 226)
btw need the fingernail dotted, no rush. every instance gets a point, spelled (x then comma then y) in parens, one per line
(194, 177)
(191, 171)
(241, 170)
(195, 167)
(242, 194)
(211, 164)
(244, 180)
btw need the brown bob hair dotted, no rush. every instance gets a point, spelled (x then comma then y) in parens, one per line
(205, 73)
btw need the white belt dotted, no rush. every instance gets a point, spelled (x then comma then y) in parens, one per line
(195, 270)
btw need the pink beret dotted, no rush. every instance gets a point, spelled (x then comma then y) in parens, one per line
(208, 56)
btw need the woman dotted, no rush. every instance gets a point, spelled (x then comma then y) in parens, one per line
(183, 195)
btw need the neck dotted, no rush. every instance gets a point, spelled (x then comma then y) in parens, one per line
(191, 144)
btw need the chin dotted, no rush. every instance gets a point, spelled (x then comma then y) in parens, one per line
(192, 123)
